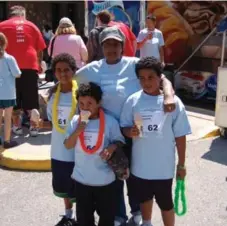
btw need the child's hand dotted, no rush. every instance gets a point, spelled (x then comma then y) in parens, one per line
(80, 128)
(134, 131)
(107, 153)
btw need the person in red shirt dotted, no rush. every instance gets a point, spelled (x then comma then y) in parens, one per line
(130, 39)
(26, 44)
(103, 20)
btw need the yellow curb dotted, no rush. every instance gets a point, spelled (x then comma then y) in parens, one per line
(13, 161)
(213, 133)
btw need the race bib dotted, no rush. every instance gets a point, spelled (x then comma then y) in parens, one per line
(152, 121)
(63, 115)
(90, 139)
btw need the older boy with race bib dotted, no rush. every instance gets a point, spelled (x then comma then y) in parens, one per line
(155, 135)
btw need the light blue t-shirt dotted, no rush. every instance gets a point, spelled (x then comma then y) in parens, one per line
(90, 169)
(118, 82)
(58, 150)
(153, 154)
(9, 71)
(152, 46)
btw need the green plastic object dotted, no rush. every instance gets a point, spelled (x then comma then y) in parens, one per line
(180, 197)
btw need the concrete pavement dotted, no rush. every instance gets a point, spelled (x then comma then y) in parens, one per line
(26, 197)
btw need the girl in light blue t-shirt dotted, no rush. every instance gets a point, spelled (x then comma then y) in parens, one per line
(9, 71)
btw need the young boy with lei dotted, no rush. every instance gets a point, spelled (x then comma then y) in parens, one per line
(95, 136)
(155, 135)
(60, 109)
(9, 71)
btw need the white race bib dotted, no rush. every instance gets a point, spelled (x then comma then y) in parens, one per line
(90, 139)
(152, 121)
(63, 115)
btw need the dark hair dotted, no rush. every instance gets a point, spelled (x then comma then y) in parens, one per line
(104, 16)
(47, 27)
(151, 17)
(66, 58)
(17, 10)
(149, 63)
(90, 89)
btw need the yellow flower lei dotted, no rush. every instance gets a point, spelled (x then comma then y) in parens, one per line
(55, 107)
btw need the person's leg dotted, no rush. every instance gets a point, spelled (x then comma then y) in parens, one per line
(16, 116)
(1, 113)
(60, 181)
(121, 216)
(134, 205)
(7, 128)
(163, 195)
(30, 97)
(146, 211)
(106, 203)
(144, 197)
(84, 205)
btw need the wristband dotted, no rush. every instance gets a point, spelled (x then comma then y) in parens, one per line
(181, 167)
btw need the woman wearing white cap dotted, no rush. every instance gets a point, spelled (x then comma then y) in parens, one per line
(117, 78)
(67, 41)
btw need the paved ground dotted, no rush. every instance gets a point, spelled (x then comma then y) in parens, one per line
(26, 198)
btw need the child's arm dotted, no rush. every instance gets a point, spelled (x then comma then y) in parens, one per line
(181, 150)
(70, 142)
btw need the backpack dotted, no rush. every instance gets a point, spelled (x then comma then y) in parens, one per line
(98, 55)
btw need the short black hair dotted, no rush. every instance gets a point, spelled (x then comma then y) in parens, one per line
(66, 58)
(149, 63)
(90, 89)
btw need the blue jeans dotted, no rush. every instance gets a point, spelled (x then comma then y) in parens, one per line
(121, 210)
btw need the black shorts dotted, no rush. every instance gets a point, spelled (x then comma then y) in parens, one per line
(27, 90)
(145, 190)
(63, 184)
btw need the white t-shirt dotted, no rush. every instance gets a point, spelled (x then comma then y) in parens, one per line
(151, 47)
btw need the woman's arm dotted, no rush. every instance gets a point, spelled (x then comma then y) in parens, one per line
(169, 103)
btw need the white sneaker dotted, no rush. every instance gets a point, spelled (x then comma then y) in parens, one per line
(135, 220)
(34, 132)
(17, 130)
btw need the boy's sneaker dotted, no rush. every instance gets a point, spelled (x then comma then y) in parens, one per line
(10, 144)
(34, 132)
(119, 223)
(66, 222)
(135, 221)
(17, 130)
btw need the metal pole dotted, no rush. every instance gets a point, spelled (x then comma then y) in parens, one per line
(223, 49)
(198, 47)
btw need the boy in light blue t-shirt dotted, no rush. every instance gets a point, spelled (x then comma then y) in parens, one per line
(155, 135)
(9, 71)
(95, 136)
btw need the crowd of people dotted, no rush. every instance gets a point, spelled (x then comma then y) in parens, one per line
(110, 112)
